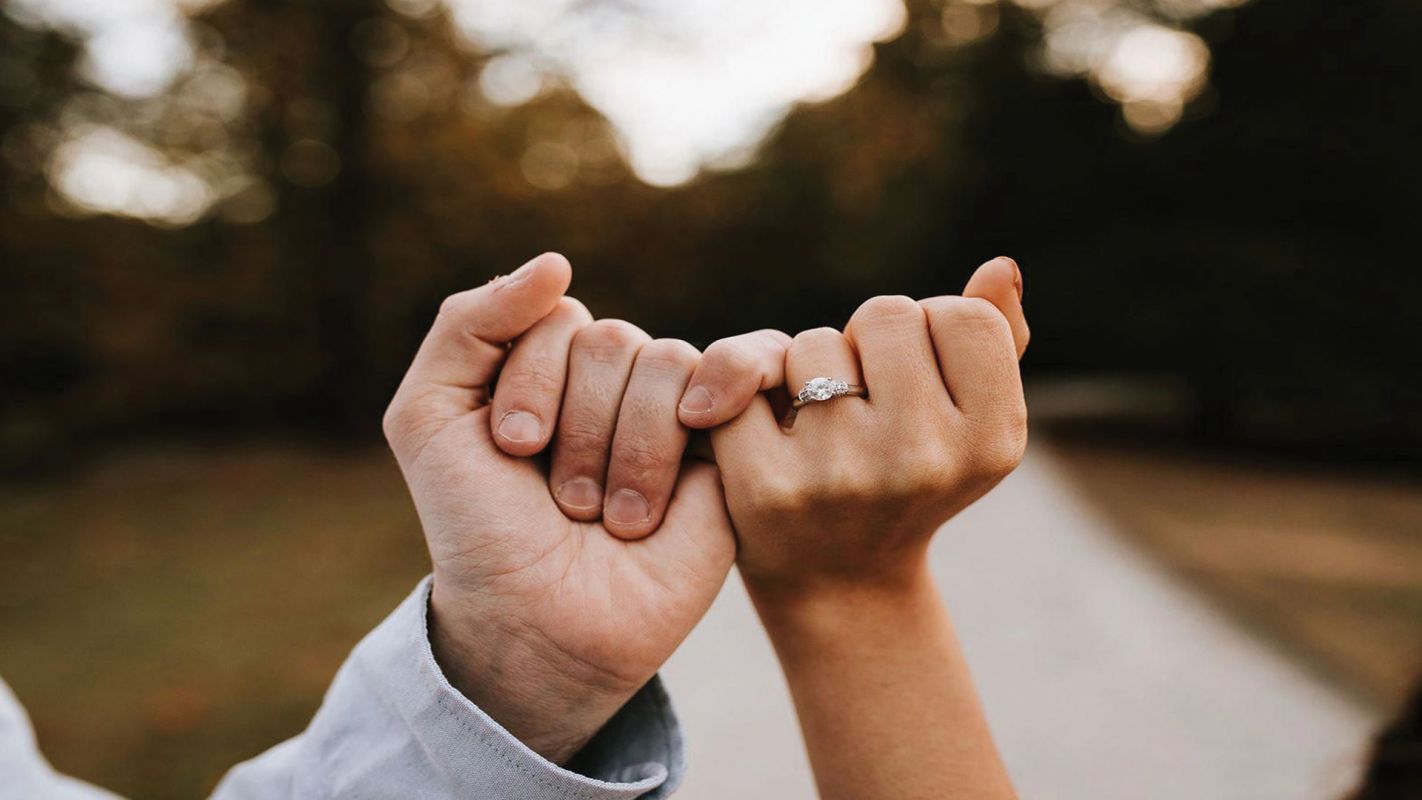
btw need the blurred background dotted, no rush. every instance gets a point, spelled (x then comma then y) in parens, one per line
(225, 224)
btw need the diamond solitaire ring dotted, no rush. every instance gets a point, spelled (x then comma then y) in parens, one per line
(818, 390)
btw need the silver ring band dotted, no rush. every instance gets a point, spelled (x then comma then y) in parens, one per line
(819, 390)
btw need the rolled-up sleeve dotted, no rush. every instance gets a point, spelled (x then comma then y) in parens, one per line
(391, 726)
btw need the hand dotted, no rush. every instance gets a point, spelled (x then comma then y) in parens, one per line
(834, 516)
(545, 617)
(852, 493)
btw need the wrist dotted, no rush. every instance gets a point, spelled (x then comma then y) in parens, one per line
(824, 607)
(804, 590)
(546, 699)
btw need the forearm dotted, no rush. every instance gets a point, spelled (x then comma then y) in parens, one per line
(884, 696)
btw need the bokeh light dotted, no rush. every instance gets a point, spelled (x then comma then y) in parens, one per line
(685, 84)
(102, 170)
(1152, 69)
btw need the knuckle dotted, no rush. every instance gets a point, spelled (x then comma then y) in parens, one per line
(1015, 415)
(769, 491)
(999, 452)
(935, 307)
(454, 305)
(668, 353)
(571, 309)
(640, 455)
(393, 424)
(887, 307)
(583, 440)
(730, 356)
(610, 335)
(407, 421)
(815, 335)
(777, 338)
(840, 484)
(925, 462)
(536, 380)
(967, 314)
(764, 341)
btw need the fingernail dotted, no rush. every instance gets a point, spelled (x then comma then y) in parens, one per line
(626, 507)
(520, 426)
(579, 493)
(1016, 276)
(696, 401)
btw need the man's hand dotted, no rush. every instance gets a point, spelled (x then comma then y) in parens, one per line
(546, 617)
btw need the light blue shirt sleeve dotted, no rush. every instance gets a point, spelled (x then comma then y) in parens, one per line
(391, 726)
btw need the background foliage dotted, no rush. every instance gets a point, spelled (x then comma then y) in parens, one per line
(1262, 253)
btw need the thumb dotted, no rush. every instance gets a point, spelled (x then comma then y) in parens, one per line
(467, 343)
(465, 346)
(999, 282)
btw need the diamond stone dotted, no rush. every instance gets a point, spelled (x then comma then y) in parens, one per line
(819, 389)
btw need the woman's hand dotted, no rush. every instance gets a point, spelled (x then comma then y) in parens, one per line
(554, 602)
(834, 515)
(852, 492)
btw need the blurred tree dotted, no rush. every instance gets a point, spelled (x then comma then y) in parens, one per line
(1260, 249)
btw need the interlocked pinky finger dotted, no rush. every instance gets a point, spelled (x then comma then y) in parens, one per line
(731, 373)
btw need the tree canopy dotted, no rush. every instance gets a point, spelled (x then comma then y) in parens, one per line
(1255, 242)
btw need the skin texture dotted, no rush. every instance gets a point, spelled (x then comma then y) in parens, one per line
(834, 515)
(544, 615)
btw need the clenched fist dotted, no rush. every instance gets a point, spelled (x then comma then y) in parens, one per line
(553, 604)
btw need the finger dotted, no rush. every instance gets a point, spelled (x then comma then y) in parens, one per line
(823, 353)
(530, 389)
(648, 444)
(890, 334)
(752, 434)
(464, 348)
(731, 372)
(756, 458)
(999, 282)
(599, 364)
(975, 354)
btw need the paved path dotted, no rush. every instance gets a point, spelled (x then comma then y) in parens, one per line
(1103, 678)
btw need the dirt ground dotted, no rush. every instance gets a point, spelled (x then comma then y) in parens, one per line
(1323, 562)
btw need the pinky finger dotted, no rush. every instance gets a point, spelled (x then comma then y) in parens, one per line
(999, 282)
(731, 373)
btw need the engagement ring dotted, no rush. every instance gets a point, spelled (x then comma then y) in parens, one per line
(818, 390)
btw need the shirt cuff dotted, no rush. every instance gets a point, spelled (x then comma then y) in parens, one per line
(448, 747)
